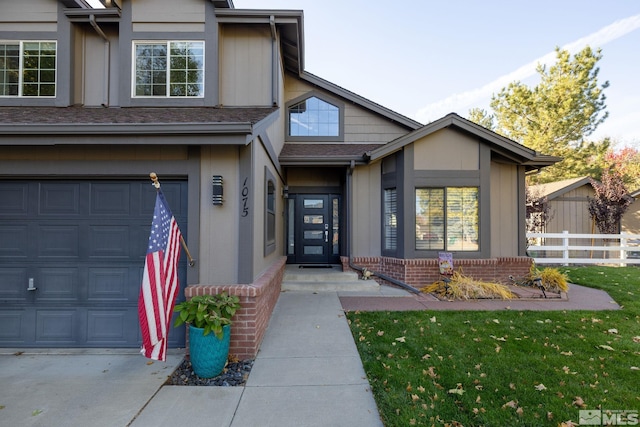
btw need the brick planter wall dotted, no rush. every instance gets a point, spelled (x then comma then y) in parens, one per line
(257, 302)
(422, 272)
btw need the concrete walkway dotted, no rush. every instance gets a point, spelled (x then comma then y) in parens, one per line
(307, 373)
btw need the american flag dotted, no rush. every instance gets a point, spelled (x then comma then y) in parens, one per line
(159, 281)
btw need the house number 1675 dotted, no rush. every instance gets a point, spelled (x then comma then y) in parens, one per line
(245, 198)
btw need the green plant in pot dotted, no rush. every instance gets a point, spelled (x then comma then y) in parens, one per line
(209, 320)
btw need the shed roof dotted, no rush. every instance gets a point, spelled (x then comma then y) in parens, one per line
(552, 190)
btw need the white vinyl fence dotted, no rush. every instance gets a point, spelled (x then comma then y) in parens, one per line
(566, 248)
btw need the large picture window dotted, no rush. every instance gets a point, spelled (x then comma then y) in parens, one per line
(169, 69)
(447, 219)
(28, 68)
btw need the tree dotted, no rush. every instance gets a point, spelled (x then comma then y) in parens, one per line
(555, 116)
(610, 202)
(627, 162)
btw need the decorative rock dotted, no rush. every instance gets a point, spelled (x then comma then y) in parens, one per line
(233, 375)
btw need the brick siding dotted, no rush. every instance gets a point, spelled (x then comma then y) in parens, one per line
(257, 302)
(422, 272)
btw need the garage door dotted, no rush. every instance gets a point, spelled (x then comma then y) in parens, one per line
(71, 260)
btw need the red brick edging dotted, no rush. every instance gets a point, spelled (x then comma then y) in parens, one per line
(257, 301)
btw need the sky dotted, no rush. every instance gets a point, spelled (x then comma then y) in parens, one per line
(426, 58)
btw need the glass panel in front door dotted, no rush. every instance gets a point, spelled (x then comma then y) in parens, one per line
(313, 224)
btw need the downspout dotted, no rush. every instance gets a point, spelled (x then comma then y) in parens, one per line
(274, 61)
(403, 285)
(107, 45)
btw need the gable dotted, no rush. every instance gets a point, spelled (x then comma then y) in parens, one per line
(360, 125)
(446, 149)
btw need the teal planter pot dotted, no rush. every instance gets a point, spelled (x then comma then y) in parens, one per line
(208, 353)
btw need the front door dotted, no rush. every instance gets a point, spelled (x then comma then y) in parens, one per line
(317, 229)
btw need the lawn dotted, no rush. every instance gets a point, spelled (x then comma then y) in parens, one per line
(506, 368)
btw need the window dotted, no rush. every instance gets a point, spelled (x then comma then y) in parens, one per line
(169, 69)
(390, 229)
(447, 219)
(313, 117)
(269, 213)
(28, 68)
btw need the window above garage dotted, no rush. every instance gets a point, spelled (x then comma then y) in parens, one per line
(315, 117)
(169, 69)
(28, 68)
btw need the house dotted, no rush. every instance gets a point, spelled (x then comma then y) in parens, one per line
(262, 162)
(568, 205)
(631, 218)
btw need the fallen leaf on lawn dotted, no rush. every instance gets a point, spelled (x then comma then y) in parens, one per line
(579, 402)
(613, 331)
(401, 339)
(568, 424)
(606, 347)
(433, 319)
(566, 353)
(519, 411)
(498, 348)
(636, 339)
(415, 397)
(431, 372)
(511, 404)
(633, 368)
(549, 416)
(498, 339)
(496, 321)
(380, 333)
(457, 390)
(409, 387)
(540, 387)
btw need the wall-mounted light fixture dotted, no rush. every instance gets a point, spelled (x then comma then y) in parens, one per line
(217, 190)
(285, 192)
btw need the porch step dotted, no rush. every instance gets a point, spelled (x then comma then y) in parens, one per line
(331, 278)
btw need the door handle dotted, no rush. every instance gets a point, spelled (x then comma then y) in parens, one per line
(31, 286)
(326, 236)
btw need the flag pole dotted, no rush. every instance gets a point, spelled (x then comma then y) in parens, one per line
(156, 183)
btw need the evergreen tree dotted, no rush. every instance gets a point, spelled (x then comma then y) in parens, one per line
(556, 116)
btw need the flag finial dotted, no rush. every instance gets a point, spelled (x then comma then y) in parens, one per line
(154, 178)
